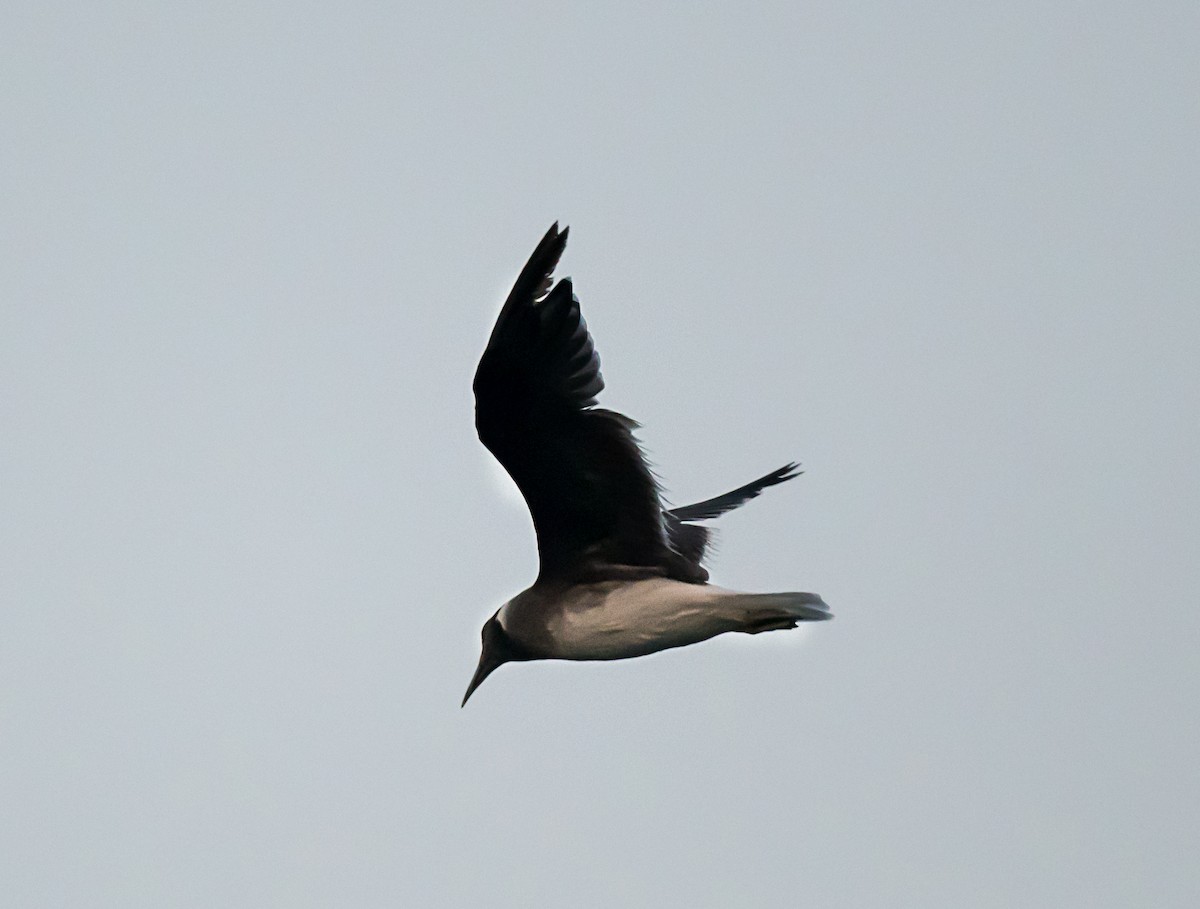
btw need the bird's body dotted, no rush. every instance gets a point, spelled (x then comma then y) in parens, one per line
(620, 576)
(613, 620)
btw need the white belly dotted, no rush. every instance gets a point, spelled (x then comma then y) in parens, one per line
(613, 620)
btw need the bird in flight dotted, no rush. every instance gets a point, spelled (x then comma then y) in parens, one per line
(620, 576)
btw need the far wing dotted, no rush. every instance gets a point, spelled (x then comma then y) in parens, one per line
(690, 541)
(717, 506)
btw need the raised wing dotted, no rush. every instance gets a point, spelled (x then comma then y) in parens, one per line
(592, 498)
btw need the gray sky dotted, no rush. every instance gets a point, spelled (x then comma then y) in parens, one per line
(943, 254)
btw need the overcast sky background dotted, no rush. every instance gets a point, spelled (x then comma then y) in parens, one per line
(946, 255)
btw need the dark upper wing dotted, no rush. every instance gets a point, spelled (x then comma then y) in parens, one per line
(592, 498)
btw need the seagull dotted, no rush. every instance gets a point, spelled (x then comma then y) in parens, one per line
(619, 575)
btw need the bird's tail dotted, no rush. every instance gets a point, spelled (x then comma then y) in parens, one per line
(776, 611)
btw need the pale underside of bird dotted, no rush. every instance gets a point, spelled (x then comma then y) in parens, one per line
(620, 575)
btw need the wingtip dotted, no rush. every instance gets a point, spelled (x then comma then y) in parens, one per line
(556, 243)
(790, 470)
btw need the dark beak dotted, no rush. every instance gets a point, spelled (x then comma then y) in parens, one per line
(488, 662)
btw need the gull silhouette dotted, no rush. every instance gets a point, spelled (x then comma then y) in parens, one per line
(619, 575)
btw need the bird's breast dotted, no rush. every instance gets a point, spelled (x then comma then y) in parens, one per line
(613, 620)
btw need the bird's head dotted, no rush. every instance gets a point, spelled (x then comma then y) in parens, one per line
(498, 649)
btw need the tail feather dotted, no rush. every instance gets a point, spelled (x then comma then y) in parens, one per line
(779, 611)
